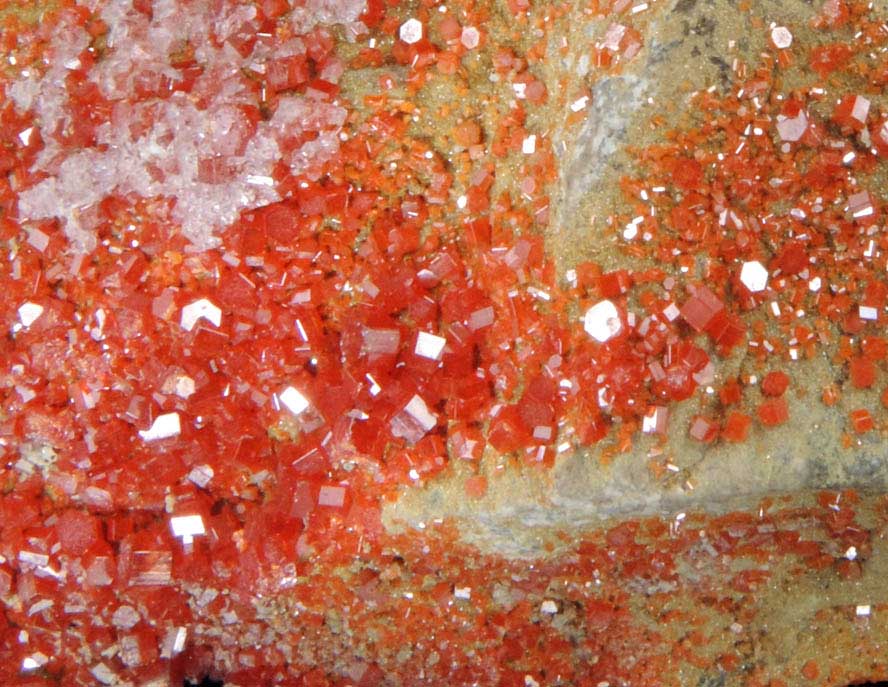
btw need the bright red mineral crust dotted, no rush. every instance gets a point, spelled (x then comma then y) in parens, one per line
(242, 311)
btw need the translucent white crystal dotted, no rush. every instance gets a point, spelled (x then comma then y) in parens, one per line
(374, 385)
(173, 642)
(860, 109)
(579, 104)
(483, 317)
(125, 617)
(602, 321)
(654, 420)
(37, 559)
(184, 386)
(529, 144)
(792, 128)
(201, 475)
(294, 401)
(867, 312)
(470, 37)
(781, 36)
(377, 342)
(202, 309)
(429, 345)
(860, 205)
(187, 527)
(29, 312)
(548, 606)
(34, 661)
(542, 432)
(411, 31)
(331, 496)
(104, 674)
(754, 276)
(163, 427)
(414, 421)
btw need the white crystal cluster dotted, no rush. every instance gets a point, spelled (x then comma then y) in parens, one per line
(162, 147)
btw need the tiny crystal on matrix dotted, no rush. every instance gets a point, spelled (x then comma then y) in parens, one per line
(411, 31)
(791, 129)
(852, 111)
(781, 37)
(655, 420)
(470, 37)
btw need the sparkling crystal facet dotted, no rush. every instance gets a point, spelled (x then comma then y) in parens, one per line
(429, 345)
(602, 321)
(781, 37)
(164, 427)
(411, 31)
(294, 401)
(29, 312)
(791, 129)
(187, 527)
(754, 276)
(202, 309)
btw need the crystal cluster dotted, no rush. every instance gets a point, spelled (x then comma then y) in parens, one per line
(242, 311)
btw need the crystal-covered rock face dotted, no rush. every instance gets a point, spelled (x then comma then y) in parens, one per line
(278, 276)
(737, 272)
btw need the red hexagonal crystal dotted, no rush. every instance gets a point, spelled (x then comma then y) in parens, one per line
(700, 309)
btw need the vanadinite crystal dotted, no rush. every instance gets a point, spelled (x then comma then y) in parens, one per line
(269, 265)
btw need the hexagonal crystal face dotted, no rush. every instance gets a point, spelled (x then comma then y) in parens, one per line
(411, 31)
(781, 37)
(602, 321)
(754, 276)
(470, 37)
